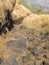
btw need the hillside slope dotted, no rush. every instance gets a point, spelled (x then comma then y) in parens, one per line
(28, 42)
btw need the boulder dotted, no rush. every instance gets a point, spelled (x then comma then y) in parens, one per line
(17, 46)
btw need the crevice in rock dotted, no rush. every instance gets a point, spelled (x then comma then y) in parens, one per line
(9, 20)
(43, 63)
(7, 24)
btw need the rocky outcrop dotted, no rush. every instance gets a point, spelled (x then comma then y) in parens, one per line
(6, 7)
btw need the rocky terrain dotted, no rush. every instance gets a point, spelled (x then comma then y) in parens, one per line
(28, 42)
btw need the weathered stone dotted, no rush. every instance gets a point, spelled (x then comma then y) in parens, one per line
(6, 8)
(18, 43)
(17, 46)
(25, 59)
(46, 47)
(37, 52)
(10, 61)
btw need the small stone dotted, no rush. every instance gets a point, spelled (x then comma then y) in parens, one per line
(37, 52)
(25, 59)
(46, 47)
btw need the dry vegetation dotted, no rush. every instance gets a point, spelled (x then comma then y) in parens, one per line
(28, 42)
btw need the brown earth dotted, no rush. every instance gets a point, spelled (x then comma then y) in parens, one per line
(28, 42)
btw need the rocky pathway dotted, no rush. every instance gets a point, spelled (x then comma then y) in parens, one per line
(24, 46)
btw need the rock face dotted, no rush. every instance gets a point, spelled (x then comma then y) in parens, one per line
(6, 7)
